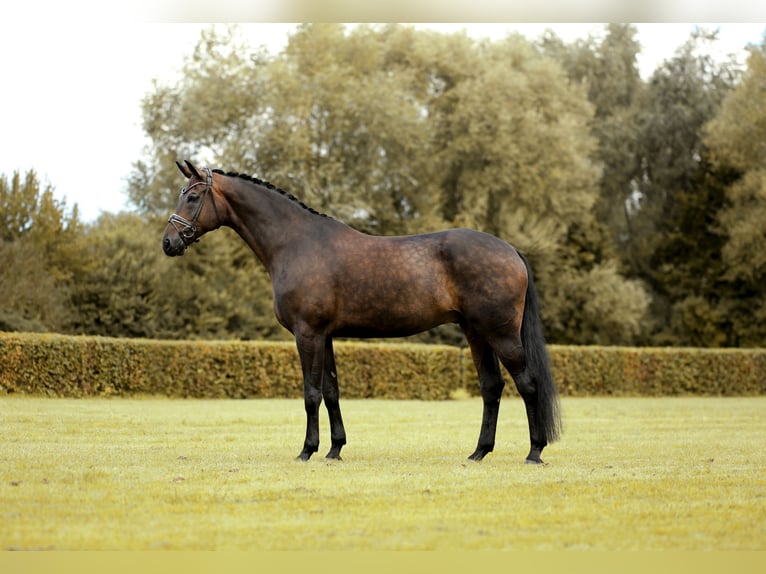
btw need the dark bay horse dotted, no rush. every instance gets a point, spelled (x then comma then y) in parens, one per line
(330, 280)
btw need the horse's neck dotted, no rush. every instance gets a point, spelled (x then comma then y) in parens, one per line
(266, 220)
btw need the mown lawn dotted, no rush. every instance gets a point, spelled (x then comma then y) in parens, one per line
(669, 473)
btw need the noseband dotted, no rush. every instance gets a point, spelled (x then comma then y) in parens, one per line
(185, 228)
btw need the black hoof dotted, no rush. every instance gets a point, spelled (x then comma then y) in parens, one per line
(304, 455)
(534, 455)
(479, 454)
(335, 450)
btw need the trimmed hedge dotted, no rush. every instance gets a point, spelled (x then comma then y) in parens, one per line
(58, 365)
(621, 371)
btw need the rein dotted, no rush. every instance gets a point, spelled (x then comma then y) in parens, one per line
(188, 228)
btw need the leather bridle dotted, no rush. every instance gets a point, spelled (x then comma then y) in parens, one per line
(188, 228)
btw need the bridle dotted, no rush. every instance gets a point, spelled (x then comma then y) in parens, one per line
(188, 228)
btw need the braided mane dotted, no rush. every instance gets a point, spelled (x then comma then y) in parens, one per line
(271, 187)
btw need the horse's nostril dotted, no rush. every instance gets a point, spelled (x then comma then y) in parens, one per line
(172, 248)
(167, 246)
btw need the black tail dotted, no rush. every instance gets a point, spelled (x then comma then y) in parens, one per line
(548, 416)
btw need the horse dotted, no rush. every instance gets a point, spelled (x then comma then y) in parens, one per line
(330, 280)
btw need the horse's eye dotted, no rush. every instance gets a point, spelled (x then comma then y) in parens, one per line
(192, 197)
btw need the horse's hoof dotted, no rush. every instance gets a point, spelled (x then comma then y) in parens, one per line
(478, 455)
(537, 462)
(304, 456)
(334, 452)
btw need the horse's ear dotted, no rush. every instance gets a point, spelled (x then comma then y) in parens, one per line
(192, 168)
(184, 170)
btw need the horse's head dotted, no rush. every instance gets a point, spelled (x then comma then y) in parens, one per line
(195, 214)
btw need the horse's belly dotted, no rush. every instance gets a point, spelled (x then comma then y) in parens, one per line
(384, 316)
(393, 326)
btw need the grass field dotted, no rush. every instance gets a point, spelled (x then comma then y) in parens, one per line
(670, 473)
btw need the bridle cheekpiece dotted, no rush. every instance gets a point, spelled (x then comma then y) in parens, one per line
(185, 228)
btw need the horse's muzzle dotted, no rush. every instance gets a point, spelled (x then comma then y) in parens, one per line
(172, 244)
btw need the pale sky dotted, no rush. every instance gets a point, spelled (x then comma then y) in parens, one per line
(71, 92)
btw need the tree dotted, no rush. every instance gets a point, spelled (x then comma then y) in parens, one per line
(203, 116)
(349, 127)
(673, 244)
(737, 141)
(120, 257)
(31, 299)
(608, 70)
(38, 247)
(127, 287)
(513, 147)
(218, 290)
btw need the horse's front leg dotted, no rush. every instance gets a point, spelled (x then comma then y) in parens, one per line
(331, 396)
(311, 349)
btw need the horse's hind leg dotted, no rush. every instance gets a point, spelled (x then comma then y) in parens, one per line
(331, 396)
(491, 383)
(512, 355)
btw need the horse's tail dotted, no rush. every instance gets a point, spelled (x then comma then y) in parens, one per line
(548, 415)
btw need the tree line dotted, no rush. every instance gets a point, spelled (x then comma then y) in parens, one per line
(641, 204)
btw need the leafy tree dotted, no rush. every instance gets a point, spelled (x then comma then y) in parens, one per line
(514, 149)
(608, 70)
(661, 196)
(206, 112)
(602, 308)
(737, 140)
(128, 288)
(31, 299)
(673, 243)
(348, 126)
(120, 259)
(38, 247)
(218, 290)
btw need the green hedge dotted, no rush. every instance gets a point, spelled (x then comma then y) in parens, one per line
(582, 371)
(58, 365)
